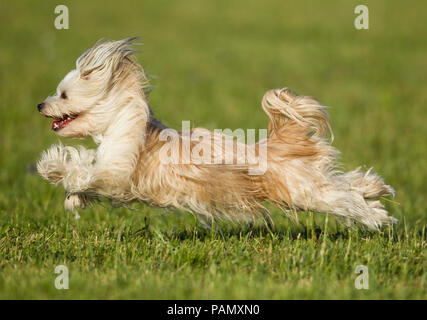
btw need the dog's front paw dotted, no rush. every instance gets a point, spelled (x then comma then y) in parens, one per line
(52, 164)
(75, 201)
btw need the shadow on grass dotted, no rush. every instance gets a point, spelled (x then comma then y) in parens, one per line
(287, 231)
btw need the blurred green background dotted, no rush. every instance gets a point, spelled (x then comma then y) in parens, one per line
(211, 63)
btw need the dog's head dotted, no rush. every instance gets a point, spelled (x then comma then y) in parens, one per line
(89, 97)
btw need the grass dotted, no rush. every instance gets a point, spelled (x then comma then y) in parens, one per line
(212, 64)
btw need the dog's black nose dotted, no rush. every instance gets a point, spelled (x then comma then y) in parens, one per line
(40, 106)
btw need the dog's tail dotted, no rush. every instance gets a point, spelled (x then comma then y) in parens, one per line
(282, 106)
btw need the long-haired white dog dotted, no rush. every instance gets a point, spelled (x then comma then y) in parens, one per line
(105, 98)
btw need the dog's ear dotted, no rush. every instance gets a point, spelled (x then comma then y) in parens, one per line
(105, 58)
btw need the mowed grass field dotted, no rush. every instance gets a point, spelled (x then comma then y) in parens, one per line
(211, 63)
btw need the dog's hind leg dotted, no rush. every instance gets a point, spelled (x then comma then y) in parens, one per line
(350, 206)
(348, 198)
(370, 185)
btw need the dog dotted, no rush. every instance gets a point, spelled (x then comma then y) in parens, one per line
(105, 97)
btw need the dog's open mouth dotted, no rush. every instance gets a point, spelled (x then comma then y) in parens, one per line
(60, 123)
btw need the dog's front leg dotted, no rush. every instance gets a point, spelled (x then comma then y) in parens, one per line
(79, 172)
(75, 201)
(71, 167)
(53, 163)
(67, 165)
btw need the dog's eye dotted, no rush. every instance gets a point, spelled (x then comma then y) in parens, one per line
(63, 95)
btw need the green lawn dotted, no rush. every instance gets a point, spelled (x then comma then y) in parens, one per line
(211, 63)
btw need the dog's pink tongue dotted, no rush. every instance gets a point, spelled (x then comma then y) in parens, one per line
(55, 124)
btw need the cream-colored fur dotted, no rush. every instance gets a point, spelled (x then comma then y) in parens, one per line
(105, 95)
